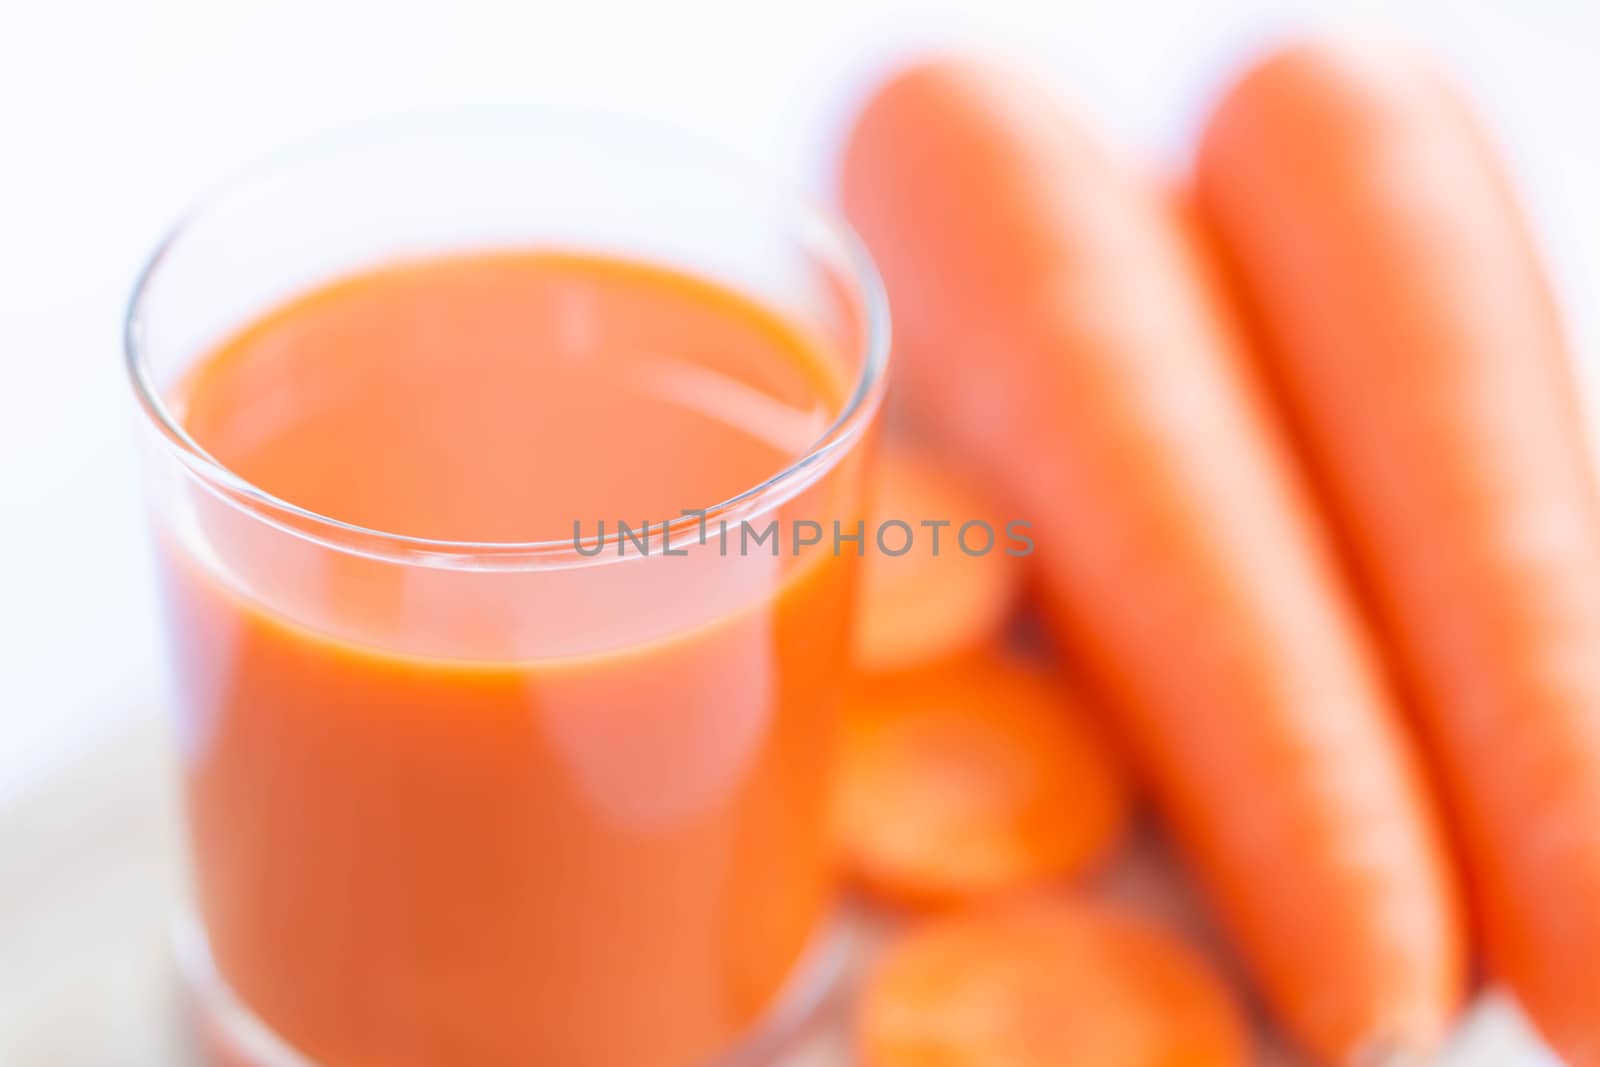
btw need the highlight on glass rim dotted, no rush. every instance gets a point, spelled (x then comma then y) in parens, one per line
(860, 534)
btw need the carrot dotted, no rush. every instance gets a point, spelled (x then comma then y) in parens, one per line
(1415, 342)
(1047, 984)
(954, 587)
(1062, 329)
(970, 779)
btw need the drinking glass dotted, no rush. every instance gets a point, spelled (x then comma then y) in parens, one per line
(486, 803)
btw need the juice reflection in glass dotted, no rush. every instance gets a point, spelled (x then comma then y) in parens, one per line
(492, 753)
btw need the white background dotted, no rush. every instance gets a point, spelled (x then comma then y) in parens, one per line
(113, 115)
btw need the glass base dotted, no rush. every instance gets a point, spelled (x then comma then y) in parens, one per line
(227, 1034)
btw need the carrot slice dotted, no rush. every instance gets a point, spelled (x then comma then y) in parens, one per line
(1048, 984)
(952, 589)
(970, 779)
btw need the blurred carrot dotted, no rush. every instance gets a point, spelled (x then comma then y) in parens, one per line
(971, 778)
(1061, 328)
(1415, 340)
(1047, 984)
(946, 594)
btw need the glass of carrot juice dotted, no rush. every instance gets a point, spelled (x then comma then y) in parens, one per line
(507, 488)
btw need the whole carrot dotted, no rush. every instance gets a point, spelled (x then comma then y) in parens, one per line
(1060, 327)
(1415, 341)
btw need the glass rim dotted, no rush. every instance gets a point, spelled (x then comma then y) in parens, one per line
(811, 224)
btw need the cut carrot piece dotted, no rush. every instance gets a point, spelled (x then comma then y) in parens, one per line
(969, 779)
(953, 589)
(1048, 984)
(1416, 343)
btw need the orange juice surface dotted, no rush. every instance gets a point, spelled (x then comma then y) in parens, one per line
(439, 818)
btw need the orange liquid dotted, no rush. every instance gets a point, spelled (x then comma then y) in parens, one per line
(442, 818)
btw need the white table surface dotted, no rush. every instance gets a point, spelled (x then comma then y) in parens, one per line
(113, 115)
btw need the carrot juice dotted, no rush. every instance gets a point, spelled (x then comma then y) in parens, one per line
(471, 778)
